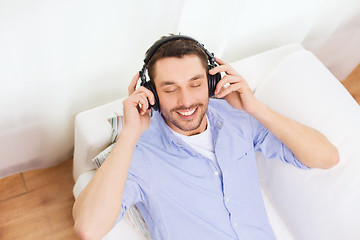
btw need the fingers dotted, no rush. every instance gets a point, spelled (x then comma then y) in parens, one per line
(229, 84)
(232, 88)
(221, 84)
(137, 101)
(223, 67)
(132, 85)
(225, 82)
(142, 103)
(141, 99)
(219, 61)
(148, 94)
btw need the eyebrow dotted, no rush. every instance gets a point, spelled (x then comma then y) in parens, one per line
(166, 83)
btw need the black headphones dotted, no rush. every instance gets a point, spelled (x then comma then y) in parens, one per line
(212, 79)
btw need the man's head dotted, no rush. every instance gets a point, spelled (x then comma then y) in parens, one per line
(178, 70)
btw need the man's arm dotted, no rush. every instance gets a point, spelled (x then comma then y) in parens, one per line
(308, 145)
(99, 204)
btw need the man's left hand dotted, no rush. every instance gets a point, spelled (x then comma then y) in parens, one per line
(234, 88)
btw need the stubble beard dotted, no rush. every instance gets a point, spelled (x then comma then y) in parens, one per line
(185, 125)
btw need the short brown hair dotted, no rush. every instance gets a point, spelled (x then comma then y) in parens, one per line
(176, 48)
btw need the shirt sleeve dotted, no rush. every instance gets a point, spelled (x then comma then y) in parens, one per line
(271, 146)
(133, 192)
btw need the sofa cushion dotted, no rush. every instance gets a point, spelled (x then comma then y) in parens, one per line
(315, 204)
(257, 67)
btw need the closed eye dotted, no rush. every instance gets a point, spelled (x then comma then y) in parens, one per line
(170, 91)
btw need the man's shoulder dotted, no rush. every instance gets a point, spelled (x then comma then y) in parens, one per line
(223, 108)
(232, 117)
(218, 103)
(153, 135)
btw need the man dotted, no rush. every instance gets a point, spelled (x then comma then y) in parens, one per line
(191, 168)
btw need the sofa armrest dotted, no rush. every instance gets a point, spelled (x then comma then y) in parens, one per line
(92, 135)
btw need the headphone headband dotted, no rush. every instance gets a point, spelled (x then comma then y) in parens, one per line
(162, 41)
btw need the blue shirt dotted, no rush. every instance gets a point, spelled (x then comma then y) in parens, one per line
(184, 195)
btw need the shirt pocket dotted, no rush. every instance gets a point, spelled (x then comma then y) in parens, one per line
(244, 165)
(244, 155)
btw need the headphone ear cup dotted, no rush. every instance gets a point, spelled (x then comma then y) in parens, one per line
(212, 82)
(149, 85)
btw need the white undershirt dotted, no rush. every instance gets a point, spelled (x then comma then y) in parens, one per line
(202, 143)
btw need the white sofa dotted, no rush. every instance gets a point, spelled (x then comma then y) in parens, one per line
(315, 204)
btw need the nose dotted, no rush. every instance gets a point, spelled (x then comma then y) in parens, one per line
(185, 98)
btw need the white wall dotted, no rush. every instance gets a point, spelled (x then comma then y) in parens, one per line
(335, 35)
(58, 58)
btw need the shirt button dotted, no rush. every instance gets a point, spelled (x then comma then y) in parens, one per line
(216, 173)
(227, 199)
(235, 224)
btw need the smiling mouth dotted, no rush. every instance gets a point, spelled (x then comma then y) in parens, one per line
(187, 113)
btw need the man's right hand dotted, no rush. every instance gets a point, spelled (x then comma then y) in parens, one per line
(135, 107)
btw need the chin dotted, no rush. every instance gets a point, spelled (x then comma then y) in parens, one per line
(189, 121)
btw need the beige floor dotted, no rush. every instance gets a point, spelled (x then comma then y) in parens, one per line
(37, 204)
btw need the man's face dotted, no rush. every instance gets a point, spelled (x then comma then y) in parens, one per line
(182, 87)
